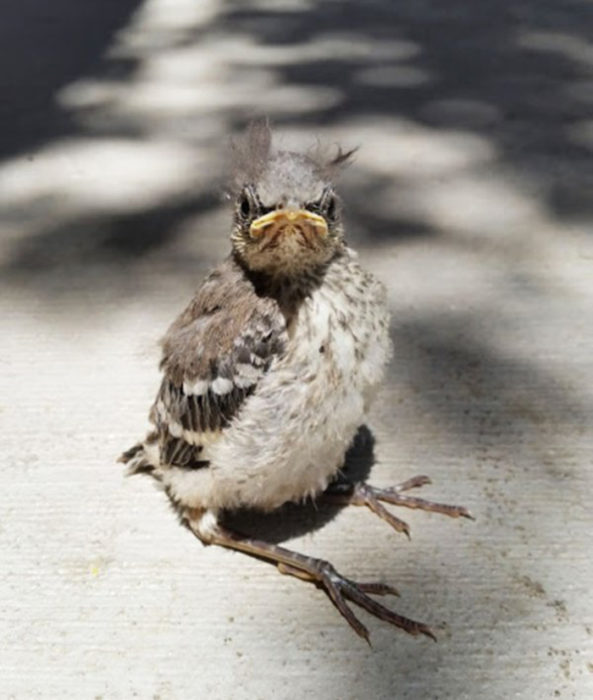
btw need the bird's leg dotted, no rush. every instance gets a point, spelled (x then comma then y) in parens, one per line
(362, 494)
(339, 588)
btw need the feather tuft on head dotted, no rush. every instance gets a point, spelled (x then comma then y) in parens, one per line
(251, 152)
(331, 164)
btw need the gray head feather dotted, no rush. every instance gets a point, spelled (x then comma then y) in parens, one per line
(251, 153)
(329, 165)
(254, 160)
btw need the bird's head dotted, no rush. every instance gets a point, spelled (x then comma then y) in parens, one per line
(287, 217)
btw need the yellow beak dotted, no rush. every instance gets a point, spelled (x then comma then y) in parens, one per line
(291, 218)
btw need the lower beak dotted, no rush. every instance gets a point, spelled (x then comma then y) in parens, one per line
(289, 218)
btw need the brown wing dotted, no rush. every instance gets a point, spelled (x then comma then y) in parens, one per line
(213, 357)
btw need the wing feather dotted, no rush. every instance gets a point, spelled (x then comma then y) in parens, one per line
(214, 354)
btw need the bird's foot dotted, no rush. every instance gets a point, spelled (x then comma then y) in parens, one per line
(339, 589)
(362, 494)
(320, 572)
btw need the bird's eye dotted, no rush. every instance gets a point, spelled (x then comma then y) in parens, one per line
(245, 205)
(331, 206)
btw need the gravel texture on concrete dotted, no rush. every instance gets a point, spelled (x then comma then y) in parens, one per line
(470, 197)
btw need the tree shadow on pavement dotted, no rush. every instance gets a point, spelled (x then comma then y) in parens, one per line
(44, 48)
(514, 75)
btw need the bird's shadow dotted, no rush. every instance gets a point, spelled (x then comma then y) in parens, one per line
(293, 520)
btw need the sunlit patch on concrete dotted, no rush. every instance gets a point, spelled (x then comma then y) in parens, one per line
(98, 174)
(408, 151)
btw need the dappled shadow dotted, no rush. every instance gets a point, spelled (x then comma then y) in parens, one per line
(516, 73)
(44, 48)
(505, 410)
(118, 238)
(513, 76)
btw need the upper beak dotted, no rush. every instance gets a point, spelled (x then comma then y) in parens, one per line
(291, 218)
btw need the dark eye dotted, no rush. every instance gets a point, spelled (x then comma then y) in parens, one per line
(245, 205)
(331, 207)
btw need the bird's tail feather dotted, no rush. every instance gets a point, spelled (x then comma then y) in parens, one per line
(137, 460)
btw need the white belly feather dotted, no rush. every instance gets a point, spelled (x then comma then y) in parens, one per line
(290, 436)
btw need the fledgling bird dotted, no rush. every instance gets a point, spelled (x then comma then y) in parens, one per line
(268, 372)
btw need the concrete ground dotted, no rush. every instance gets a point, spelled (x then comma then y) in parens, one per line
(470, 197)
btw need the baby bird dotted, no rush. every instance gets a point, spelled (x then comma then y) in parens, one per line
(268, 372)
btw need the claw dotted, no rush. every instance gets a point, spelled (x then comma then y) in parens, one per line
(340, 587)
(371, 496)
(394, 497)
(368, 499)
(413, 483)
(378, 589)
